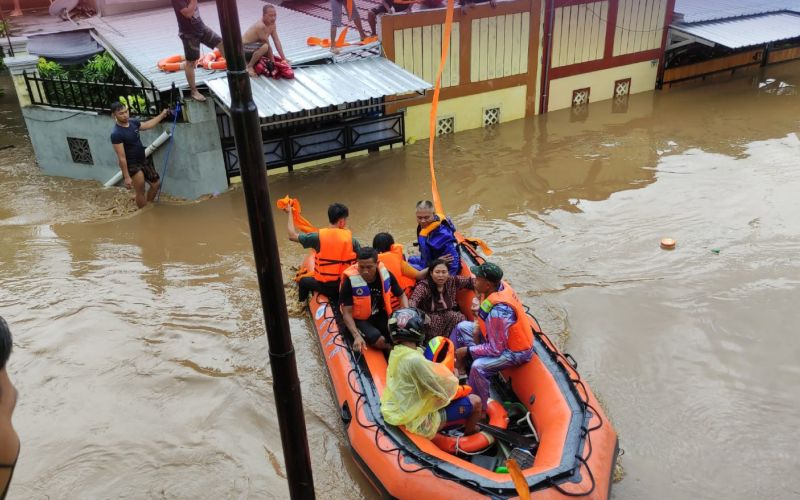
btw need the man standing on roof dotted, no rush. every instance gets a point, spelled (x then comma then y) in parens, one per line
(256, 39)
(336, 21)
(368, 289)
(335, 250)
(193, 32)
(504, 338)
(135, 166)
(436, 239)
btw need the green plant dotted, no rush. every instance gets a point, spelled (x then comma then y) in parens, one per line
(50, 69)
(101, 67)
(135, 103)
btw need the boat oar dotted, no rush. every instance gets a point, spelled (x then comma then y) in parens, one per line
(515, 439)
(518, 477)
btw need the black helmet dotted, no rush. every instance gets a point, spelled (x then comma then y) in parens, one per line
(407, 324)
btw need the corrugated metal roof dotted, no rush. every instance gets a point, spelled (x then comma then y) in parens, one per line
(142, 38)
(325, 85)
(747, 31)
(695, 11)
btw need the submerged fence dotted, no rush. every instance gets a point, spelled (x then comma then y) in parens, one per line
(85, 95)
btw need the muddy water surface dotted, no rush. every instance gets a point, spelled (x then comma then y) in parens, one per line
(139, 347)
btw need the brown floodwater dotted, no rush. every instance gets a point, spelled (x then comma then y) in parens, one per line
(140, 355)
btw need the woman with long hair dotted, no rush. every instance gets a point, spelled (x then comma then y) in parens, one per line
(436, 296)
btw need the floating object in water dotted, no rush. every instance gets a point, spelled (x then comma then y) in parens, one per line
(668, 243)
(715, 251)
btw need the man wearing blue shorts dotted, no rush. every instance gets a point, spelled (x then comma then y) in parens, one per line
(420, 394)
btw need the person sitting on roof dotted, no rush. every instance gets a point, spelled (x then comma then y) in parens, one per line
(193, 32)
(385, 7)
(421, 394)
(256, 39)
(436, 296)
(503, 339)
(366, 297)
(390, 254)
(436, 239)
(335, 250)
(336, 21)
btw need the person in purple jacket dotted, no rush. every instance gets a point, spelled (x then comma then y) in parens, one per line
(436, 238)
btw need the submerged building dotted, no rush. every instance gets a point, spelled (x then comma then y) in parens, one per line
(506, 62)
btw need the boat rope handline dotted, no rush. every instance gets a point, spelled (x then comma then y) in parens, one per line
(448, 28)
(176, 112)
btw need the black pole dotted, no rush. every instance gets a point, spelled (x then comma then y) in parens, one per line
(249, 147)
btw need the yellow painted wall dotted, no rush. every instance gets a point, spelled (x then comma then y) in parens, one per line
(640, 26)
(643, 78)
(468, 111)
(499, 46)
(579, 33)
(418, 50)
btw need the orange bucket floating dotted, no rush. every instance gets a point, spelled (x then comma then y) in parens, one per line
(668, 243)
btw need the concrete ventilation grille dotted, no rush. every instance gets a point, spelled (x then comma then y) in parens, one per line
(80, 151)
(446, 125)
(622, 88)
(580, 97)
(491, 116)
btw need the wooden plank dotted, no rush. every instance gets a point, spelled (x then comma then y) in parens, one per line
(416, 42)
(712, 66)
(580, 33)
(408, 49)
(508, 35)
(398, 49)
(602, 26)
(436, 47)
(455, 54)
(500, 55)
(491, 49)
(515, 41)
(570, 13)
(428, 74)
(658, 28)
(475, 52)
(525, 41)
(483, 49)
(555, 58)
(783, 55)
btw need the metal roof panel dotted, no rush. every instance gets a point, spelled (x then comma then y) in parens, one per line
(746, 31)
(695, 11)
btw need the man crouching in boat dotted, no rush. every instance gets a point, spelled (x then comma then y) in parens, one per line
(421, 394)
(335, 250)
(502, 325)
(366, 296)
(436, 238)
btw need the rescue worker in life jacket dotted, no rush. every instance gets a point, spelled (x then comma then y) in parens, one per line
(335, 250)
(436, 239)
(366, 298)
(390, 254)
(503, 337)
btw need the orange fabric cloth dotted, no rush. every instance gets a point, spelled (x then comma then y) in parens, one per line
(300, 223)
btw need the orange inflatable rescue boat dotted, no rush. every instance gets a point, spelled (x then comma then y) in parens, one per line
(542, 413)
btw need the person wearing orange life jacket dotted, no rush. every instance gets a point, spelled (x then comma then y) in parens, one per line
(505, 338)
(436, 239)
(335, 250)
(366, 297)
(390, 254)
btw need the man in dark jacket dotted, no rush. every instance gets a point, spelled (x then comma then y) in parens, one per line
(436, 238)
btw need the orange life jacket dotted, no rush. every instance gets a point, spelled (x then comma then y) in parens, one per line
(362, 298)
(335, 254)
(393, 260)
(520, 335)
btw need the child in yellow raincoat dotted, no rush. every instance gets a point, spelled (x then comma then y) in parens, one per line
(419, 394)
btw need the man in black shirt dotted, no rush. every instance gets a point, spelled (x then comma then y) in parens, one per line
(135, 167)
(366, 294)
(193, 32)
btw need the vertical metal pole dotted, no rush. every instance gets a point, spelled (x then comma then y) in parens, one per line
(286, 385)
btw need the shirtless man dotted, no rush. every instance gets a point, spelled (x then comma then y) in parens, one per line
(258, 35)
(9, 442)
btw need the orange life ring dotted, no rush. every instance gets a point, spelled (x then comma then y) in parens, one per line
(172, 63)
(498, 417)
(213, 61)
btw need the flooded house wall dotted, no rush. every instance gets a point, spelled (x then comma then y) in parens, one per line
(601, 50)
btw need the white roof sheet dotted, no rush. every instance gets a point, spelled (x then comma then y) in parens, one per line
(695, 11)
(142, 38)
(325, 85)
(747, 31)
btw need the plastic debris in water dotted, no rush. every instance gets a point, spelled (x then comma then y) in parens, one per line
(715, 251)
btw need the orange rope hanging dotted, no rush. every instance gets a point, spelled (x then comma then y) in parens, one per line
(448, 28)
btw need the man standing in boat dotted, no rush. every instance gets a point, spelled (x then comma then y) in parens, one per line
(135, 166)
(368, 289)
(436, 239)
(335, 249)
(193, 32)
(503, 339)
(420, 394)
(256, 39)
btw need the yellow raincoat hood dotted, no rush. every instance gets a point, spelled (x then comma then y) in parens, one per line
(415, 390)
